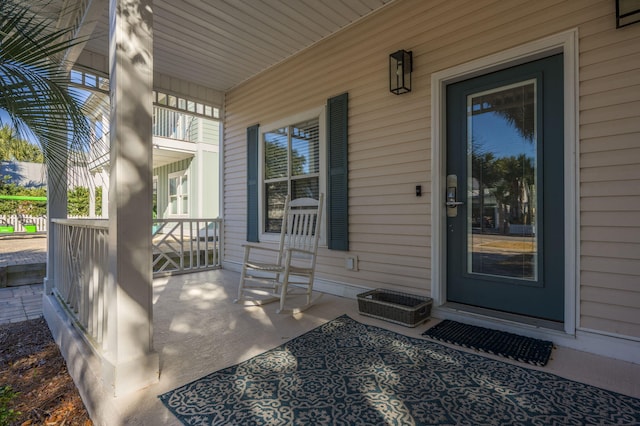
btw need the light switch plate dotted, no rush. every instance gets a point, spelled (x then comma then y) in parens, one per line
(351, 263)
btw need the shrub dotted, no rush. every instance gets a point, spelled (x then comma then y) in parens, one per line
(7, 415)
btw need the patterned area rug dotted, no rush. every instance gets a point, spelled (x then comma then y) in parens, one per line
(508, 345)
(348, 373)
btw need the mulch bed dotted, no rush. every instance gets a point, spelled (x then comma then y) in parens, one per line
(31, 363)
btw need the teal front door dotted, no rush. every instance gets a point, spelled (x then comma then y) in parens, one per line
(505, 190)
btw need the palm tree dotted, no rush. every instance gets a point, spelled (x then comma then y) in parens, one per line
(517, 182)
(12, 147)
(34, 83)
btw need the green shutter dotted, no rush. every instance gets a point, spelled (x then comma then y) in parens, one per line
(252, 183)
(337, 179)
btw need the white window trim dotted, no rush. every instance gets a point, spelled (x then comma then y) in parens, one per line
(567, 43)
(320, 114)
(180, 174)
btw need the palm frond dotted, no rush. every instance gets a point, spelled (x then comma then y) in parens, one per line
(34, 83)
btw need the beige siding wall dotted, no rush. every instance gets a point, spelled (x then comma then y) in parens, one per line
(389, 146)
(610, 177)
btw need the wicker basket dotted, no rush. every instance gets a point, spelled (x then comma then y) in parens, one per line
(401, 308)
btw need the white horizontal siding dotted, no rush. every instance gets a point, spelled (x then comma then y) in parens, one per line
(389, 138)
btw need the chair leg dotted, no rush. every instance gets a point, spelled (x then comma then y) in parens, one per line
(310, 289)
(308, 293)
(242, 276)
(241, 286)
(284, 288)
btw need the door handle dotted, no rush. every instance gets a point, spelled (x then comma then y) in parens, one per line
(451, 197)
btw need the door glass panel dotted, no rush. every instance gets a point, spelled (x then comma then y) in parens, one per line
(501, 186)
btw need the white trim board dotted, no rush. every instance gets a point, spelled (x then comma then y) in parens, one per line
(566, 43)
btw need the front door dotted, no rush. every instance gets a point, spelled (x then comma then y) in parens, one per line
(505, 192)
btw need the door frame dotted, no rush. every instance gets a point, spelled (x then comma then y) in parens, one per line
(566, 43)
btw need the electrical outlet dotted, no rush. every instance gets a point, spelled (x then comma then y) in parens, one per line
(351, 263)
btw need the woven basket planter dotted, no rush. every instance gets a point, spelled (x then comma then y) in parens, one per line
(393, 306)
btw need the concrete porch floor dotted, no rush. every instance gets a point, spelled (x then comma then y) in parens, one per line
(198, 330)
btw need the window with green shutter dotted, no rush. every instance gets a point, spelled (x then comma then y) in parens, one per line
(291, 167)
(301, 157)
(252, 183)
(338, 173)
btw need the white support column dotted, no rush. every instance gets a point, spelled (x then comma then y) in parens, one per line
(130, 362)
(56, 209)
(104, 172)
(92, 196)
(92, 176)
(104, 182)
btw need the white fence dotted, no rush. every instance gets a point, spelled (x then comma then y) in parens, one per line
(18, 223)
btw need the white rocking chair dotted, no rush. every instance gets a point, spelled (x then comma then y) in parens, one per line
(283, 271)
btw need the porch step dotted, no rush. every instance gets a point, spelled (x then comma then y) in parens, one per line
(22, 274)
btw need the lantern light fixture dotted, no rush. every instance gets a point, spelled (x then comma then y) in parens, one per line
(400, 68)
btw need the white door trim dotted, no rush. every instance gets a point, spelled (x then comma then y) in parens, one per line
(566, 43)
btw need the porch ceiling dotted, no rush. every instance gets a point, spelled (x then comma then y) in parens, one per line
(162, 157)
(219, 44)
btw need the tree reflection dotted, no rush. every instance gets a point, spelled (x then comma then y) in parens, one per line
(504, 190)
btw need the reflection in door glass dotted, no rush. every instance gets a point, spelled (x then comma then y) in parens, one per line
(501, 188)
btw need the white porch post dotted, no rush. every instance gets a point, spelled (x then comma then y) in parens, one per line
(56, 209)
(92, 196)
(130, 361)
(104, 183)
(92, 180)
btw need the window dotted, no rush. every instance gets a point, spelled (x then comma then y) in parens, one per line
(178, 194)
(291, 159)
(302, 156)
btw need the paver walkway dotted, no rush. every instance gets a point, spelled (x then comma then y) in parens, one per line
(23, 302)
(20, 303)
(23, 249)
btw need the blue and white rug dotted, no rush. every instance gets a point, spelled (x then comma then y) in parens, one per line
(348, 373)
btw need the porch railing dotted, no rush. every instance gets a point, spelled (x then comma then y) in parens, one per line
(172, 124)
(81, 262)
(185, 245)
(81, 248)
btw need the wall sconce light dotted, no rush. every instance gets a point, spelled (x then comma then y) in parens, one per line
(400, 67)
(627, 12)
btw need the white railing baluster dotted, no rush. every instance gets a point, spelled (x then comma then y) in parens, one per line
(186, 245)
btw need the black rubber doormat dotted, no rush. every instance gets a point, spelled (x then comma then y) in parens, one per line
(508, 345)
